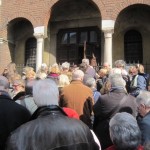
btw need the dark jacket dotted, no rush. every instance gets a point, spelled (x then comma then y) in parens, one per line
(51, 129)
(106, 107)
(12, 115)
(144, 124)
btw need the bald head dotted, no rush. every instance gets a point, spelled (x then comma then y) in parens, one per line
(4, 83)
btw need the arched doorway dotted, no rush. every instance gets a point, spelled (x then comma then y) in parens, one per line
(69, 29)
(18, 31)
(131, 37)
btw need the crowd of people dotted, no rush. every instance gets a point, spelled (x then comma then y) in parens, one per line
(75, 107)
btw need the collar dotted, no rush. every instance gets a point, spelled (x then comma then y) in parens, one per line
(47, 110)
(4, 93)
(76, 82)
(118, 89)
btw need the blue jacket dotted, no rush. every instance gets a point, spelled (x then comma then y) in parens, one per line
(144, 124)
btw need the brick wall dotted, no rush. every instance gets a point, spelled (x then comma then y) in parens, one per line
(38, 13)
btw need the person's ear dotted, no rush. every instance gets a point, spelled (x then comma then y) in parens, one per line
(143, 106)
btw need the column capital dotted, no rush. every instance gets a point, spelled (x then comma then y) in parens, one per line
(40, 32)
(108, 26)
(39, 35)
(108, 33)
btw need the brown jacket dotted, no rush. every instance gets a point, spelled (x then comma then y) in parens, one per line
(80, 98)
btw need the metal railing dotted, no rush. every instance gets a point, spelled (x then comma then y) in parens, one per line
(98, 67)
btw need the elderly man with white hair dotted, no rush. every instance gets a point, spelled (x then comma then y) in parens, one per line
(124, 132)
(108, 105)
(50, 128)
(143, 101)
(89, 69)
(78, 97)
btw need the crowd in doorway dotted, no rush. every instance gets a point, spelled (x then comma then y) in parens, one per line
(75, 107)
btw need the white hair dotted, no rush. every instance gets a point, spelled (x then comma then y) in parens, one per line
(143, 98)
(120, 63)
(4, 83)
(65, 65)
(90, 82)
(115, 71)
(116, 80)
(85, 61)
(45, 92)
(124, 131)
(78, 75)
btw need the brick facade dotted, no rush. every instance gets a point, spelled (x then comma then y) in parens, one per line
(38, 13)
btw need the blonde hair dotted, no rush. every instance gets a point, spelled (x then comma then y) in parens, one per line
(19, 82)
(104, 71)
(55, 69)
(140, 68)
(63, 80)
(30, 74)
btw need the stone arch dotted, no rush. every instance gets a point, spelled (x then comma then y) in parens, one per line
(98, 3)
(67, 20)
(118, 7)
(18, 30)
(137, 19)
(25, 15)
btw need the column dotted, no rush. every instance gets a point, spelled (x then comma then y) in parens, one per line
(39, 50)
(108, 29)
(40, 33)
(108, 46)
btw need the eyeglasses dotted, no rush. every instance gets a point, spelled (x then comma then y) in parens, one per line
(15, 85)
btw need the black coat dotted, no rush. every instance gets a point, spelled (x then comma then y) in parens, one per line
(12, 115)
(51, 129)
(106, 107)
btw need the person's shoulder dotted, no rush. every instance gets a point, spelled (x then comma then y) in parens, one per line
(146, 118)
(141, 77)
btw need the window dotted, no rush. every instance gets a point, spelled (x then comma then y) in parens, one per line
(64, 38)
(133, 49)
(72, 37)
(93, 36)
(30, 52)
(83, 37)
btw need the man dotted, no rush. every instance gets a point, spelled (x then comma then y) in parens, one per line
(89, 69)
(78, 97)
(122, 65)
(12, 115)
(117, 100)
(124, 132)
(50, 128)
(143, 101)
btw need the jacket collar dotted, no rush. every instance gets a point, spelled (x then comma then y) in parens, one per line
(4, 93)
(118, 90)
(47, 110)
(76, 82)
